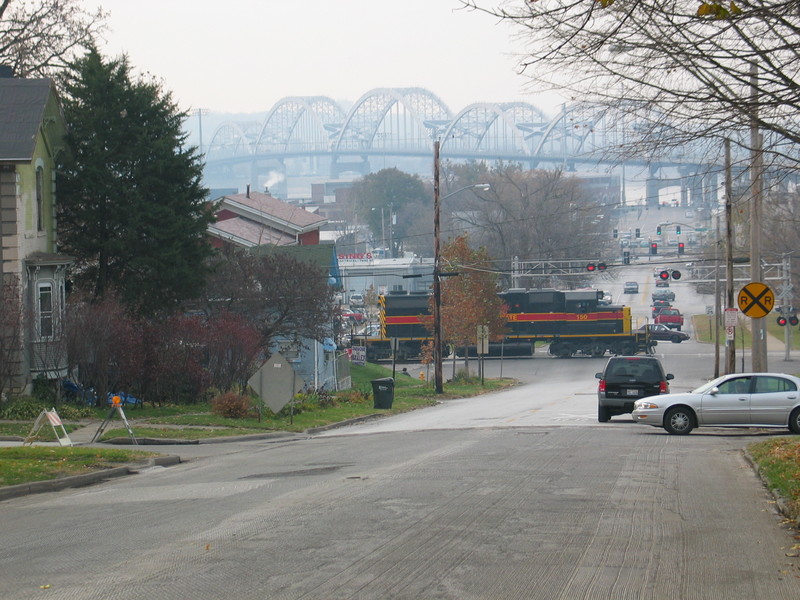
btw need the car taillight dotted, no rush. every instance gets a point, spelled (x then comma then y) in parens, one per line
(602, 387)
(663, 388)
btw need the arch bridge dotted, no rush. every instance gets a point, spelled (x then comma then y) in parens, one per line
(395, 127)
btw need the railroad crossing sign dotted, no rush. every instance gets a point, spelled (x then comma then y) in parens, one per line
(756, 300)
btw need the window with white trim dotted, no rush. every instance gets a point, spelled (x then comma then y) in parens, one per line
(44, 309)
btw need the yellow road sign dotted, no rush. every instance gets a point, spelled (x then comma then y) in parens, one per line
(756, 300)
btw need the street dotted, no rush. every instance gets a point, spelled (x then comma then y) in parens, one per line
(515, 494)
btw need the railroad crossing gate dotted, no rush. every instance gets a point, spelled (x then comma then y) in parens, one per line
(756, 300)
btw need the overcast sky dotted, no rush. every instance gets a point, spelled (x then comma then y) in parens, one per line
(242, 56)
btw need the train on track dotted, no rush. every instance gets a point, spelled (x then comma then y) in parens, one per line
(573, 322)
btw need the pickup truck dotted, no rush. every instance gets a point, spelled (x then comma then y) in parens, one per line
(671, 317)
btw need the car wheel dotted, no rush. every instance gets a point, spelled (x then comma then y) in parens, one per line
(675, 339)
(603, 414)
(794, 421)
(678, 421)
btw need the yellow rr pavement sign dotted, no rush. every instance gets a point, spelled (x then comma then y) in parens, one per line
(756, 300)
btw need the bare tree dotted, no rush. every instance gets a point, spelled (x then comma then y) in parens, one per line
(37, 39)
(11, 332)
(702, 70)
(280, 295)
(530, 214)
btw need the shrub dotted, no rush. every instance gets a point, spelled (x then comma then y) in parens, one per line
(463, 376)
(354, 396)
(69, 412)
(21, 408)
(231, 405)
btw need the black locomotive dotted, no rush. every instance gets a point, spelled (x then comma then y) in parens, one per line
(573, 322)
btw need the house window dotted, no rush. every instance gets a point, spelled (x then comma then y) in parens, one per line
(44, 305)
(39, 199)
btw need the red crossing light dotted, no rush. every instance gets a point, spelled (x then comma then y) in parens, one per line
(664, 275)
(591, 267)
(676, 275)
(781, 320)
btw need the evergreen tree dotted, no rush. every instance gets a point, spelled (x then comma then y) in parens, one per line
(132, 209)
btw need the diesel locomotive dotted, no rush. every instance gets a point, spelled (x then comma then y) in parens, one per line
(573, 322)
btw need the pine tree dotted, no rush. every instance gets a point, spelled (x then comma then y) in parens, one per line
(132, 209)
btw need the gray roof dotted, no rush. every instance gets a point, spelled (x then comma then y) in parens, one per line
(22, 106)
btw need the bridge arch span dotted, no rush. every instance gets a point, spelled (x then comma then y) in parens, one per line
(392, 119)
(493, 128)
(300, 124)
(233, 139)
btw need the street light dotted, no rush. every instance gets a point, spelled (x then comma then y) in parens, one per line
(437, 287)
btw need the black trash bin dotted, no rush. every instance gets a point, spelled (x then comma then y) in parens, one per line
(383, 392)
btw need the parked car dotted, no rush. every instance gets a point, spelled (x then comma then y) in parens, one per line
(662, 294)
(624, 380)
(671, 317)
(630, 287)
(735, 400)
(662, 333)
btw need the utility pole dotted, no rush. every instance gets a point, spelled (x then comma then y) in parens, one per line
(730, 345)
(437, 286)
(758, 326)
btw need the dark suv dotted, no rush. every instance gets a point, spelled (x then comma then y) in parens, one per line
(626, 379)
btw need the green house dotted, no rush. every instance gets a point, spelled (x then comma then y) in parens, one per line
(32, 271)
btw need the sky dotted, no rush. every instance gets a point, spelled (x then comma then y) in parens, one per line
(243, 56)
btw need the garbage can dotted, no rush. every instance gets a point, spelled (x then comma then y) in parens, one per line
(383, 392)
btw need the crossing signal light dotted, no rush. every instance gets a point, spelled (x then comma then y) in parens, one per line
(676, 275)
(681, 247)
(793, 320)
(601, 266)
(591, 267)
(782, 321)
(664, 275)
(653, 248)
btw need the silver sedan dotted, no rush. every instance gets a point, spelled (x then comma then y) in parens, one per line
(736, 400)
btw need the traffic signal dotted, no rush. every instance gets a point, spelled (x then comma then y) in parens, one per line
(658, 230)
(664, 275)
(677, 229)
(782, 321)
(626, 258)
(615, 234)
(653, 248)
(638, 233)
(681, 248)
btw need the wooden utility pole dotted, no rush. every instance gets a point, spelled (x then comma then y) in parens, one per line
(730, 345)
(437, 286)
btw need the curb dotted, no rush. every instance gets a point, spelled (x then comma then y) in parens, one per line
(73, 481)
(780, 501)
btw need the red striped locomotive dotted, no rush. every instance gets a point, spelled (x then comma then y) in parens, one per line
(571, 322)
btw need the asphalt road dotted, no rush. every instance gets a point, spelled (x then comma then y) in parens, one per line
(519, 494)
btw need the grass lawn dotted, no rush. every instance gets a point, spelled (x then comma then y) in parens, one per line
(39, 463)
